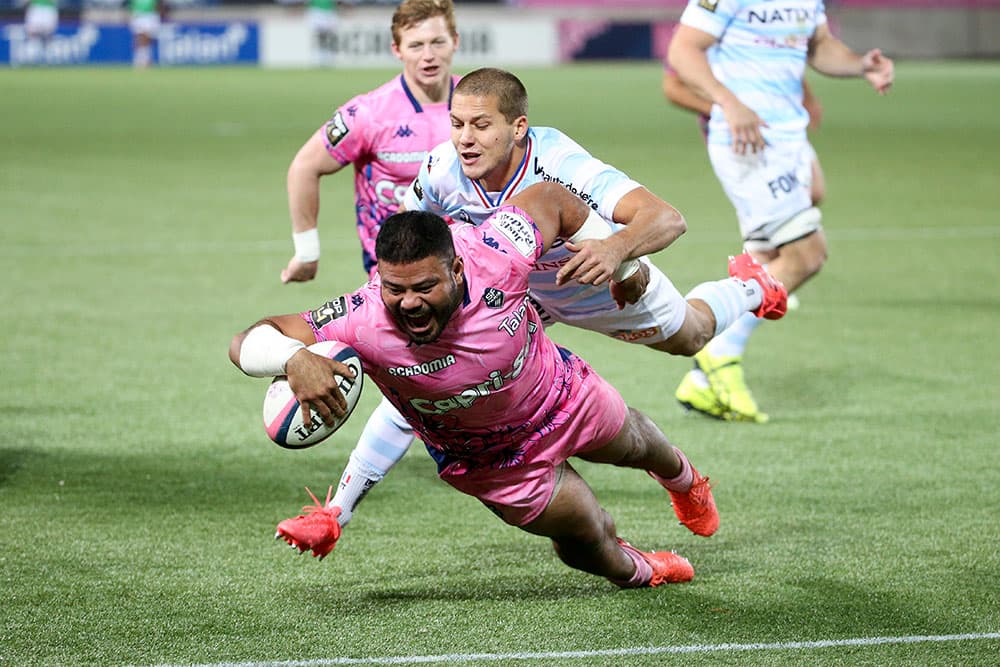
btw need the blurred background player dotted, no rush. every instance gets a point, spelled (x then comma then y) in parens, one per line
(749, 58)
(41, 19)
(681, 96)
(385, 133)
(145, 26)
(322, 18)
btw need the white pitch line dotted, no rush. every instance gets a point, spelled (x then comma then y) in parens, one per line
(611, 653)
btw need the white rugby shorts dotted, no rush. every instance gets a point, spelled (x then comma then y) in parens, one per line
(767, 189)
(654, 318)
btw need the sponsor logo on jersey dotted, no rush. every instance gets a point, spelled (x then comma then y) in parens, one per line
(512, 322)
(710, 5)
(632, 335)
(336, 129)
(792, 15)
(328, 312)
(425, 368)
(517, 230)
(401, 158)
(587, 198)
(492, 297)
(494, 381)
(404, 131)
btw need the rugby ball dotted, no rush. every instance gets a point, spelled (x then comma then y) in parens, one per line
(283, 414)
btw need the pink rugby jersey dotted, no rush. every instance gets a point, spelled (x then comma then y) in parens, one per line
(386, 133)
(492, 383)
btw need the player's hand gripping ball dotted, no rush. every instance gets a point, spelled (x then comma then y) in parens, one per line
(283, 414)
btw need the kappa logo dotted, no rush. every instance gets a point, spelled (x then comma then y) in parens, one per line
(710, 5)
(493, 298)
(336, 129)
(404, 131)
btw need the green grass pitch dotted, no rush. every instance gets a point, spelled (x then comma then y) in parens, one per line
(144, 222)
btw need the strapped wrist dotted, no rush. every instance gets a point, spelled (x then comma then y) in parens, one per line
(306, 245)
(265, 351)
(625, 270)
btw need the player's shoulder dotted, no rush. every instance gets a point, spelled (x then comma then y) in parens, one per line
(550, 142)
(509, 231)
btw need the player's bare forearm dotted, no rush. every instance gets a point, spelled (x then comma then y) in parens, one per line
(651, 224)
(310, 164)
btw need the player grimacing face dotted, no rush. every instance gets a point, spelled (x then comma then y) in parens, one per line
(422, 296)
(484, 139)
(426, 50)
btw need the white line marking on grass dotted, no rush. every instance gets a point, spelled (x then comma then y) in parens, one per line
(621, 652)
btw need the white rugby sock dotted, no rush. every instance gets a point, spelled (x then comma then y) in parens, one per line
(729, 299)
(733, 341)
(383, 442)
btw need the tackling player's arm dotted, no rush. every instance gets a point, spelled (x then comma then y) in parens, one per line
(311, 163)
(687, 56)
(651, 224)
(277, 346)
(560, 214)
(828, 55)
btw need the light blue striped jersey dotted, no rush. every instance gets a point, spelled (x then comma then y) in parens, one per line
(442, 188)
(760, 56)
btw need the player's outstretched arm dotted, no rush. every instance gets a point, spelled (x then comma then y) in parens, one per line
(828, 55)
(277, 346)
(311, 163)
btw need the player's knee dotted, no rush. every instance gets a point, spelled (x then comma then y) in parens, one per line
(812, 255)
(698, 328)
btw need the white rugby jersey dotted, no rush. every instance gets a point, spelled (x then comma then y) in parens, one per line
(442, 188)
(761, 57)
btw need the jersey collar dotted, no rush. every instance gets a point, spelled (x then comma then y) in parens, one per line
(417, 108)
(512, 185)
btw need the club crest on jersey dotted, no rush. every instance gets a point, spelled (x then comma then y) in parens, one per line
(328, 312)
(492, 297)
(710, 5)
(336, 129)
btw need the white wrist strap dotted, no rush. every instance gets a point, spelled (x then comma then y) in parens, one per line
(265, 351)
(625, 270)
(596, 227)
(306, 245)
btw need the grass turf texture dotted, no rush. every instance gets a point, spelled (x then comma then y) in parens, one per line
(144, 222)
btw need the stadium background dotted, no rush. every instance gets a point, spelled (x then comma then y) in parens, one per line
(143, 220)
(511, 32)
